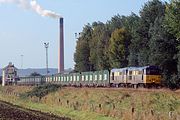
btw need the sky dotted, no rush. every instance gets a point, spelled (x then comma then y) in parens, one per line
(23, 31)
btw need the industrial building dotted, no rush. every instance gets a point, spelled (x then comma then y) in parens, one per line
(9, 74)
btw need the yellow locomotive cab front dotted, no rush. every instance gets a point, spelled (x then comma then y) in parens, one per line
(149, 79)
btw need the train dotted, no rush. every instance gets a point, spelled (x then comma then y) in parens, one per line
(135, 77)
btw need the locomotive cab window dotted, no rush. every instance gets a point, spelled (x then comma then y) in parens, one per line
(140, 72)
(152, 71)
(130, 75)
(120, 73)
(130, 72)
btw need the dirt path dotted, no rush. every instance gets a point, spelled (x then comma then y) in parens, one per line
(13, 112)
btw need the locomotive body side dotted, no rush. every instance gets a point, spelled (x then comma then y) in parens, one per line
(118, 77)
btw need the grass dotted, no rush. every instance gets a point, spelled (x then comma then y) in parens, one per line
(101, 104)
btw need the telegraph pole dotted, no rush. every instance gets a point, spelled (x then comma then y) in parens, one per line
(46, 45)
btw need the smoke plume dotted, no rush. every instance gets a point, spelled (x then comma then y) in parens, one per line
(34, 6)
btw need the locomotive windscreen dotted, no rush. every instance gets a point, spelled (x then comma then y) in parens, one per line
(153, 71)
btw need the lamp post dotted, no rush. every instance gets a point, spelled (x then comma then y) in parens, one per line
(77, 35)
(46, 45)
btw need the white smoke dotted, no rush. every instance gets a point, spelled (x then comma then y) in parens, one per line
(34, 6)
(21, 3)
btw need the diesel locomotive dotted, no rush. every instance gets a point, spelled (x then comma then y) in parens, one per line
(122, 77)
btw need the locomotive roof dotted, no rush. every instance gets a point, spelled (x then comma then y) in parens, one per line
(133, 68)
(119, 69)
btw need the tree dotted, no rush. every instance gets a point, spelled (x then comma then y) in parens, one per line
(116, 22)
(98, 45)
(82, 53)
(131, 24)
(162, 44)
(162, 51)
(149, 13)
(172, 18)
(35, 74)
(172, 24)
(118, 48)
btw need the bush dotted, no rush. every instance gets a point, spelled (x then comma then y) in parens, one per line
(171, 81)
(41, 91)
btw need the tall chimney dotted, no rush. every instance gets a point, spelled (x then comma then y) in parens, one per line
(61, 47)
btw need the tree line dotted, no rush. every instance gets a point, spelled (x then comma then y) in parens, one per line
(150, 38)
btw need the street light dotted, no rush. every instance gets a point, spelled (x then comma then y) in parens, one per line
(46, 45)
(77, 35)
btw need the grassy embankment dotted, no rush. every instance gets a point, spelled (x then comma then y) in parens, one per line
(100, 104)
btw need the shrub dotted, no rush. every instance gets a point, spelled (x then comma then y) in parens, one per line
(41, 91)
